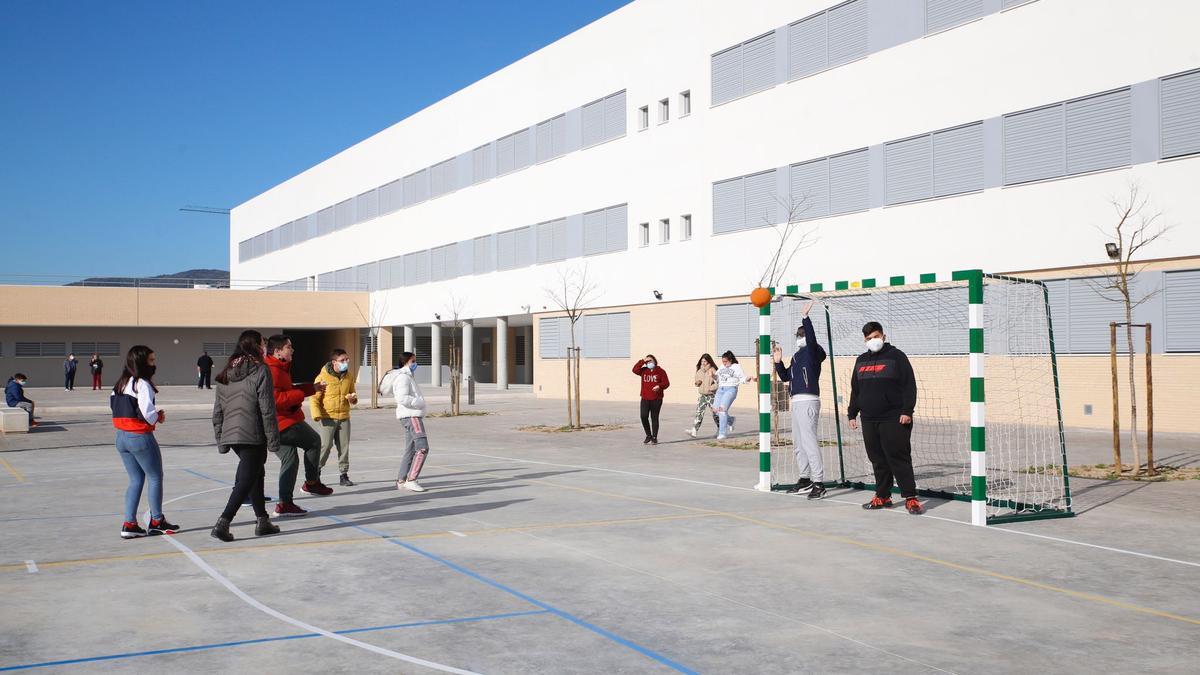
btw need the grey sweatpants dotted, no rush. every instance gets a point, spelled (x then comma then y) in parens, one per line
(416, 448)
(805, 415)
(335, 432)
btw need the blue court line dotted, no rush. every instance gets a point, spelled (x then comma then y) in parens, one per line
(239, 643)
(215, 480)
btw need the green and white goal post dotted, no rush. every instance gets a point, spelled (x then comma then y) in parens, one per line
(1004, 452)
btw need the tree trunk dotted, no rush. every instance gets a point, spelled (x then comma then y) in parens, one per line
(570, 400)
(578, 415)
(1133, 419)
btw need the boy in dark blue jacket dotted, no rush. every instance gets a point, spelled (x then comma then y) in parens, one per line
(14, 396)
(804, 375)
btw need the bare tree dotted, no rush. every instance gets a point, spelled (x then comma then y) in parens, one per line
(373, 315)
(1137, 226)
(792, 236)
(573, 293)
(455, 311)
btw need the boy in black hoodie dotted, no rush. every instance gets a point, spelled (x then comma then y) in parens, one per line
(884, 390)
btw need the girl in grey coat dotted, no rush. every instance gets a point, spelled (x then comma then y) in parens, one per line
(244, 421)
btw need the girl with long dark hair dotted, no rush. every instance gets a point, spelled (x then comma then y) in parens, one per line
(654, 383)
(135, 417)
(244, 421)
(729, 376)
(706, 386)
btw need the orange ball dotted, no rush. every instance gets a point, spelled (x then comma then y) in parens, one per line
(760, 297)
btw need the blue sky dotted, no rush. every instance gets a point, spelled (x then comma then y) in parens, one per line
(115, 114)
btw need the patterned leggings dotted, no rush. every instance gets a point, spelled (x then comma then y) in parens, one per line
(705, 401)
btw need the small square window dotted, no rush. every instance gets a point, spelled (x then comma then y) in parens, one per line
(664, 110)
(664, 231)
(685, 103)
(643, 118)
(686, 226)
(644, 234)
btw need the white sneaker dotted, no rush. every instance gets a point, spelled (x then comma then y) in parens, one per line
(720, 438)
(731, 425)
(399, 485)
(414, 486)
(690, 432)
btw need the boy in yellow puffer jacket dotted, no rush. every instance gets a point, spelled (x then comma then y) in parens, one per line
(331, 410)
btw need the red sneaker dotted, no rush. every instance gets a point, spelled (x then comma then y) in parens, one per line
(878, 503)
(914, 506)
(287, 509)
(317, 488)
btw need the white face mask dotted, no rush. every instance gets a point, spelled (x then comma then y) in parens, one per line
(875, 344)
(650, 364)
(341, 366)
(800, 342)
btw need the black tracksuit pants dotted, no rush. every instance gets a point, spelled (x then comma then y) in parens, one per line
(650, 410)
(889, 448)
(248, 482)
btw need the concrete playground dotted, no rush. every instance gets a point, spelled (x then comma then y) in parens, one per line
(582, 552)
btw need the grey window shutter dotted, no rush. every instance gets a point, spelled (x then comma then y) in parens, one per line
(549, 340)
(506, 157)
(1034, 145)
(391, 197)
(618, 335)
(1090, 316)
(726, 75)
(595, 233)
(367, 205)
(1180, 110)
(344, 279)
(593, 123)
(361, 277)
(559, 229)
(343, 214)
(479, 163)
(545, 242)
(849, 182)
(325, 221)
(437, 264)
(617, 227)
(943, 14)
(559, 135)
(484, 255)
(847, 32)
(256, 246)
(1005, 4)
(1099, 132)
(285, 235)
(524, 244)
(810, 189)
(909, 169)
(614, 115)
(733, 330)
(545, 140)
(522, 150)
(391, 273)
(729, 205)
(272, 240)
(300, 230)
(762, 204)
(807, 46)
(325, 281)
(449, 261)
(464, 254)
(758, 63)
(506, 250)
(958, 160)
(416, 187)
(595, 335)
(244, 250)
(441, 178)
(1182, 298)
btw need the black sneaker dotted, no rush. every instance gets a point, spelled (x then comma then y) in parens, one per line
(818, 490)
(131, 531)
(654, 440)
(345, 481)
(162, 526)
(802, 485)
(647, 441)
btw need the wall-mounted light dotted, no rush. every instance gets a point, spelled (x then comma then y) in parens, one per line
(525, 309)
(1114, 251)
(657, 295)
(437, 316)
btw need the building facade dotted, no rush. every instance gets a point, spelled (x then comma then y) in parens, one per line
(660, 148)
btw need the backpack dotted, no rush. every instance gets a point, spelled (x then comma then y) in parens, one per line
(388, 386)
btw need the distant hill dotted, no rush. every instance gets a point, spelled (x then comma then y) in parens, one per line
(215, 278)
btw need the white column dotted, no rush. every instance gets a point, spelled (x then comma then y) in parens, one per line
(500, 357)
(468, 350)
(435, 333)
(410, 340)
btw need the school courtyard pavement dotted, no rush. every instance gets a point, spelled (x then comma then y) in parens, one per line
(571, 553)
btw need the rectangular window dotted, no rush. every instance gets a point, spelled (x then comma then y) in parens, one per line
(416, 187)
(664, 111)
(484, 255)
(443, 262)
(810, 189)
(1181, 295)
(604, 119)
(1180, 111)
(604, 336)
(244, 250)
(522, 149)
(958, 160)
(664, 231)
(943, 14)
(849, 182)
(807, 46)
(325, 281)
(300, 229)
(847, 32)
(1087, 134)
(758, 64)
(552, 241)
(644, 234)
(366, 206)
(617, 227)
(479, 163)
(685, 103)
(762, 200)
(325, 221)
(506, 155)
(391, 272)
(685, 222)
(343, 214)
(554, 337)
(441, 177)
(1034, 145)
(908, 169)
(285, 235)
(552, 138)
(416, 268)
(84, 350)
(643, 117)
(595, 233)
(726, 75)
(519, 350)
(391, 197)
(729, 205)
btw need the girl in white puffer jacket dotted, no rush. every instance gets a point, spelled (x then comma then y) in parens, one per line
(410, 410)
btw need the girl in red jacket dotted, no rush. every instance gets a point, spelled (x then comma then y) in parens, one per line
(654, 383)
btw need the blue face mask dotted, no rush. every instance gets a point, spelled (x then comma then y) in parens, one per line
(342, 366)
(413, 368)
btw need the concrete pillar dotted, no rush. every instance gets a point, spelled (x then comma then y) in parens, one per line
(387, 360)
(500, 354)
(435, 334)
(468, 349)
(410, 339)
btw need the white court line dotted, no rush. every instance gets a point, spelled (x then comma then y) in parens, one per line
(456, 533)
(31, 566)
(842, 501)
(249, 600)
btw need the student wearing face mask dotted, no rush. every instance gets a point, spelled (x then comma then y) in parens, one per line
(884, 390)
(14, 396)
(654, 383)
(804, 375)
(410, 410)
(331, 411)
(135, 417)
(729, 377)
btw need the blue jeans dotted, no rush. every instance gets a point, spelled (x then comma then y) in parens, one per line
(142, 460)
(724, 398)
